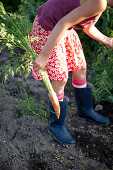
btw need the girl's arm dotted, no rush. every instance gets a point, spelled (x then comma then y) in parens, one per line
(94, 33)
(84, 11)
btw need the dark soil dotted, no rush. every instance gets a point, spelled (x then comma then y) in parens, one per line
(24, 140)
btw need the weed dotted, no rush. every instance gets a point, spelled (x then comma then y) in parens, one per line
(71, 107)
(29, 107)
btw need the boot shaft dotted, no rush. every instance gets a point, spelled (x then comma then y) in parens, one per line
(54, 121)
(57, 126)
(85, 111)
(83, 97)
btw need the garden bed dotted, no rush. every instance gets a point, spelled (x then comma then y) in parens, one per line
(24, 140)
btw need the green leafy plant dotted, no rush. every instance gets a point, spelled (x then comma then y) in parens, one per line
(14, 31)
(100, 59)
(29, 107)
(11, 5)
(28, 7)
(71, 107)
(103, 65)
(102, 75)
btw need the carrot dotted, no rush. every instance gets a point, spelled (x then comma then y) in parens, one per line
(55, 103)
(52, 95)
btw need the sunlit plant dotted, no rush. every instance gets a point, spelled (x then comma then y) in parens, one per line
(14, 32)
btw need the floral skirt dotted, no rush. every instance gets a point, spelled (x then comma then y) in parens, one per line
(66, 56)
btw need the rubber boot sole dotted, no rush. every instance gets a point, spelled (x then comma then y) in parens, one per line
(90, 120)
(63, 144)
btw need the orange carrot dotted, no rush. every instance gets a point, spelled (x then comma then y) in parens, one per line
(52, 95)
(55, 103)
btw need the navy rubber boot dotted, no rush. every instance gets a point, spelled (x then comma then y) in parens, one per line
(57, 126)
(83, 98)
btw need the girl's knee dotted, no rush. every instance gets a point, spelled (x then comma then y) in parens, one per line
(79, 74)
(59, 85)
(83, 70)
(63, 82)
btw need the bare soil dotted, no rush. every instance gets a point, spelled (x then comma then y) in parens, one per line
(25, 143)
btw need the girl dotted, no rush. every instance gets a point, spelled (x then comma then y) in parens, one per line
(59, 51)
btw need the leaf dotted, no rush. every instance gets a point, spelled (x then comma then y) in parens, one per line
(2, 10)
(12, 73)
(109, 99)
(27, 73)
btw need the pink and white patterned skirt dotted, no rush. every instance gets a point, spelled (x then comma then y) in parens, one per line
(66, 56)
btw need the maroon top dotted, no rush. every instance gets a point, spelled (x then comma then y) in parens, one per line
(53, 10)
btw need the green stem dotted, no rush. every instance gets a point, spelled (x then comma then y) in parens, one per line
(46, 81)
(106, 87)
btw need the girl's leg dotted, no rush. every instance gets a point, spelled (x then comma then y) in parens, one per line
(83, 97)
(79, 78)
(58, 86)
(57, 126)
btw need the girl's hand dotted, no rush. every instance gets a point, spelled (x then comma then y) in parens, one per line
(39, 63)
(110, 43)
